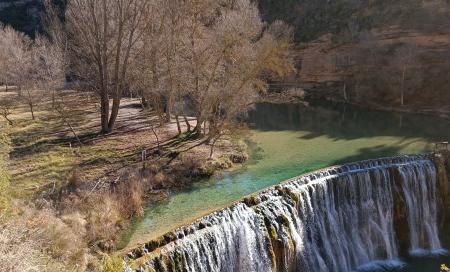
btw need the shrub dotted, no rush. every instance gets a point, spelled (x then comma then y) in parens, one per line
(130, 196)
(159, 180)
(104, 220)
(75, 181)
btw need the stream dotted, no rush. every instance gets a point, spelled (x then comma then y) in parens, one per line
(288, 140)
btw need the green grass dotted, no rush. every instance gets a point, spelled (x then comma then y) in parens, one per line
(4, 175)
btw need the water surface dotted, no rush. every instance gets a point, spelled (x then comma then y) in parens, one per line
(288, 140)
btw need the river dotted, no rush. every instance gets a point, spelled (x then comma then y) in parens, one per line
(287, 140)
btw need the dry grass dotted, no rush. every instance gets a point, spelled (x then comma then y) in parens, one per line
(91, 190)
(130, 196)
(37, 240)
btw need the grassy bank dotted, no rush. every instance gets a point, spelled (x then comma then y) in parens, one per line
(73, 191)
(4, 175)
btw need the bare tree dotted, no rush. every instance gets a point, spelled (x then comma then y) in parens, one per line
(231, 59)
(20, 63)
(6, 107)
(211, 58)
(52, 51)
(404, 59)
(14, 56)
(103, 45)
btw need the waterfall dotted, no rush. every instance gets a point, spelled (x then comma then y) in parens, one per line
(332, 220)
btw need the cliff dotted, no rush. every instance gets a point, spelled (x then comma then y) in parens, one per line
(378, 53)
(24, 15)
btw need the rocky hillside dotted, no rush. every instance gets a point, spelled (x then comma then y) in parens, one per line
(24, 15)
(377, 53)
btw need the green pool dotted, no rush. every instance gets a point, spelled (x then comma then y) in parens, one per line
(288, 140)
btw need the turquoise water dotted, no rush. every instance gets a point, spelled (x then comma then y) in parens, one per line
(288, 140)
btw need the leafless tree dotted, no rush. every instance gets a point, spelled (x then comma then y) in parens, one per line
(231, 60)
(52, 52)
(14, 56)
(6, 107)
(404, 60)
(103, 45)
(20, 63)
(210, 58)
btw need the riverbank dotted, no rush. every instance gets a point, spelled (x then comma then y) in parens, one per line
(306, 96)
(440, 112)
(83, 188)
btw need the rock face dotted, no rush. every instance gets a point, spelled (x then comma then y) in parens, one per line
(369, 70)
(370, 52)
(24, 15)
(336, 219)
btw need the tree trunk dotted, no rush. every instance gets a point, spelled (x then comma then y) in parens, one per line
(345, 92)
(169, 109)
(198, 127)
(402, 92)
(53, 99)
(156, 136)
(31, 110)
(213, 143)
(30, 104)
(10, 122)
(104, 110)
(188, 125)
(178, 124)
(5, 115)
(114, 113)
(144, 102)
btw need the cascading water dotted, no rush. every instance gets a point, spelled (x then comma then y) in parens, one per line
(332, 220)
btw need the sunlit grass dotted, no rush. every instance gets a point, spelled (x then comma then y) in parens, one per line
(44, 152)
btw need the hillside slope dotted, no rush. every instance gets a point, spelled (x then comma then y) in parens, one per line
(377, 53)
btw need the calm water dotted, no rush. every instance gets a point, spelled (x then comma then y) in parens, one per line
(288, 140)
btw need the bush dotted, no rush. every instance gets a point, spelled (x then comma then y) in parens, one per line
(75, 181)
(130, 196)
(104, 220)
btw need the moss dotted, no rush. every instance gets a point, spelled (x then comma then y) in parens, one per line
(251, 201)
(112, 264)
